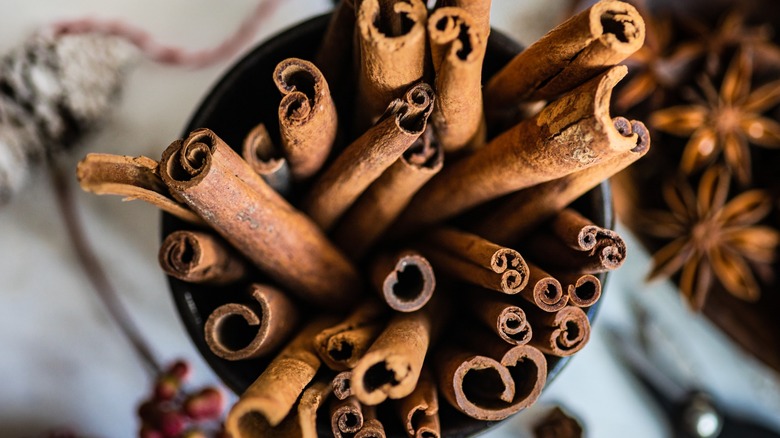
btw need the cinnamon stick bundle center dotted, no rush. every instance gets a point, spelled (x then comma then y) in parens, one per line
(409, 283)
(340, 351)
(381, 375)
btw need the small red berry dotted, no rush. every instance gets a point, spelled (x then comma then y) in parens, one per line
(207, 404)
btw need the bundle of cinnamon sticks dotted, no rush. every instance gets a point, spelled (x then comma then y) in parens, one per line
(424, 247)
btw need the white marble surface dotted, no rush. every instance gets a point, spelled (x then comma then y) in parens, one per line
(64, 363)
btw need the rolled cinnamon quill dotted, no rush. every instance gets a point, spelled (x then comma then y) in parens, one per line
(419, 411)
(457, 50)
(521, 212)
(215, 182)
(334, 56)
(271, 397)
(384, 200)
(199, 257)
(267, 160)
(346, 417)
(584, 290)
(544, 290)
(569, 134)
(391, 42)
(363, 161)
(478, 9)
(372, 427)
(272, 313)
(307, 116)
(502, 316)
(342, 385)
(575, 51)
(301, 422)
(405, 281)
(343, 344)
(560, 333)
(133, 178)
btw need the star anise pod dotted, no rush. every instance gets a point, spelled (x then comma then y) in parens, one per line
(725, 121)
(711, 237)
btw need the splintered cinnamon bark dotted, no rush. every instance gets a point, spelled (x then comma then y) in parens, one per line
(346, 417)
(372, 427)
(583, 289)
(384, 200)
(391, 42)
(271, 397)
(457, 50)
(475, 260)
(567, 56)
(133, 178)
(405, 281)
(215, 182)
(569, 134)
(266, 159)
(544, 290)
(478, 9)
(560, 333)
(502, 316)
(363, 161)
(525, 210)
(307, 116)
(334, 57)
(199, 257)
(419, 411)
(272, 313)
(490, 379)
(343, 344)
(391, 366)
(342, 385)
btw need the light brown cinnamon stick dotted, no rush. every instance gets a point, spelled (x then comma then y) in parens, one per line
(271, 397)
(569, 55)
(545, 291)
(386, 197)
(307, 116)
(405, 281)
(346, 417)
(419, 411)
(584, 290)
(569, 134)
(372, 427)
(342, 345)
(457, 49)
(502, 316)
(199, 257)
(213, 180)
(266, 159)
(301, 422)
(272, 313)
(363, 161)
(526, 209)
(342, 384)
(133, 178)
(560, 333)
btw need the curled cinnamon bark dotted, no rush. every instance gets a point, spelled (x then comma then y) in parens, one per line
(199, 257)
(307, 116)
(478, 9)
(215, 182)
(384, 200)
(363, 161)
(545, 291)
(419, 411)
(342, 385)
(525, 210)
(391, 42)
(343, 344)
(502, 316)
(301, 422)
(405, 281)
(457, 50)
(584, 290)
(567, 56)
(260, 153)
(372, 427)
(133, 178)
(569, 134)
(271, 397)
(346, 417)
(560, 333)
(272, 313)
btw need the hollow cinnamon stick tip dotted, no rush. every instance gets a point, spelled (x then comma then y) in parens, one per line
(455, 25)
(260, 153)
(617, 25)
(585, 292)
(415, 108)
(411, 284)
(342, 387)
(346, 417)
(198, 257)
(548, 294)
(513, 327)
(570, 333)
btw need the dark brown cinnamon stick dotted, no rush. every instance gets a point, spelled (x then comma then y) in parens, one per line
(502, 316)
(419, 411)
(343, 344)
(405, 281)
(267, 160)
(214, 181)
(346, 417)
(560, 333)
(342, 385)
(584, 290)
(372, 427)
(544, 290)
(307, 116)
(199, 257)
(363, 161)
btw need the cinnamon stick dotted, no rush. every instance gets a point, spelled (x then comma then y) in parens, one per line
(301, 422)
(391, 44)
(575, 51)
(199, 257)
(342, 384)
(478, 9)
(569, 134)
(546, 292)
(372, 427)
(267, 160)
(584, 290)
(307, 116)
(363, 161)
(133, 178)
(560, 333)
(457, 49)
(272, 313)
(419, 411)
(526, 209)
(502, 316)
(271, 397)
(342, 345)
(386, 197)
(346, 417)
(405, 281)
(215, 182)
(334, 56)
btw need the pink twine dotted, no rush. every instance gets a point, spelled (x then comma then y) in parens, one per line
(169, 54)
